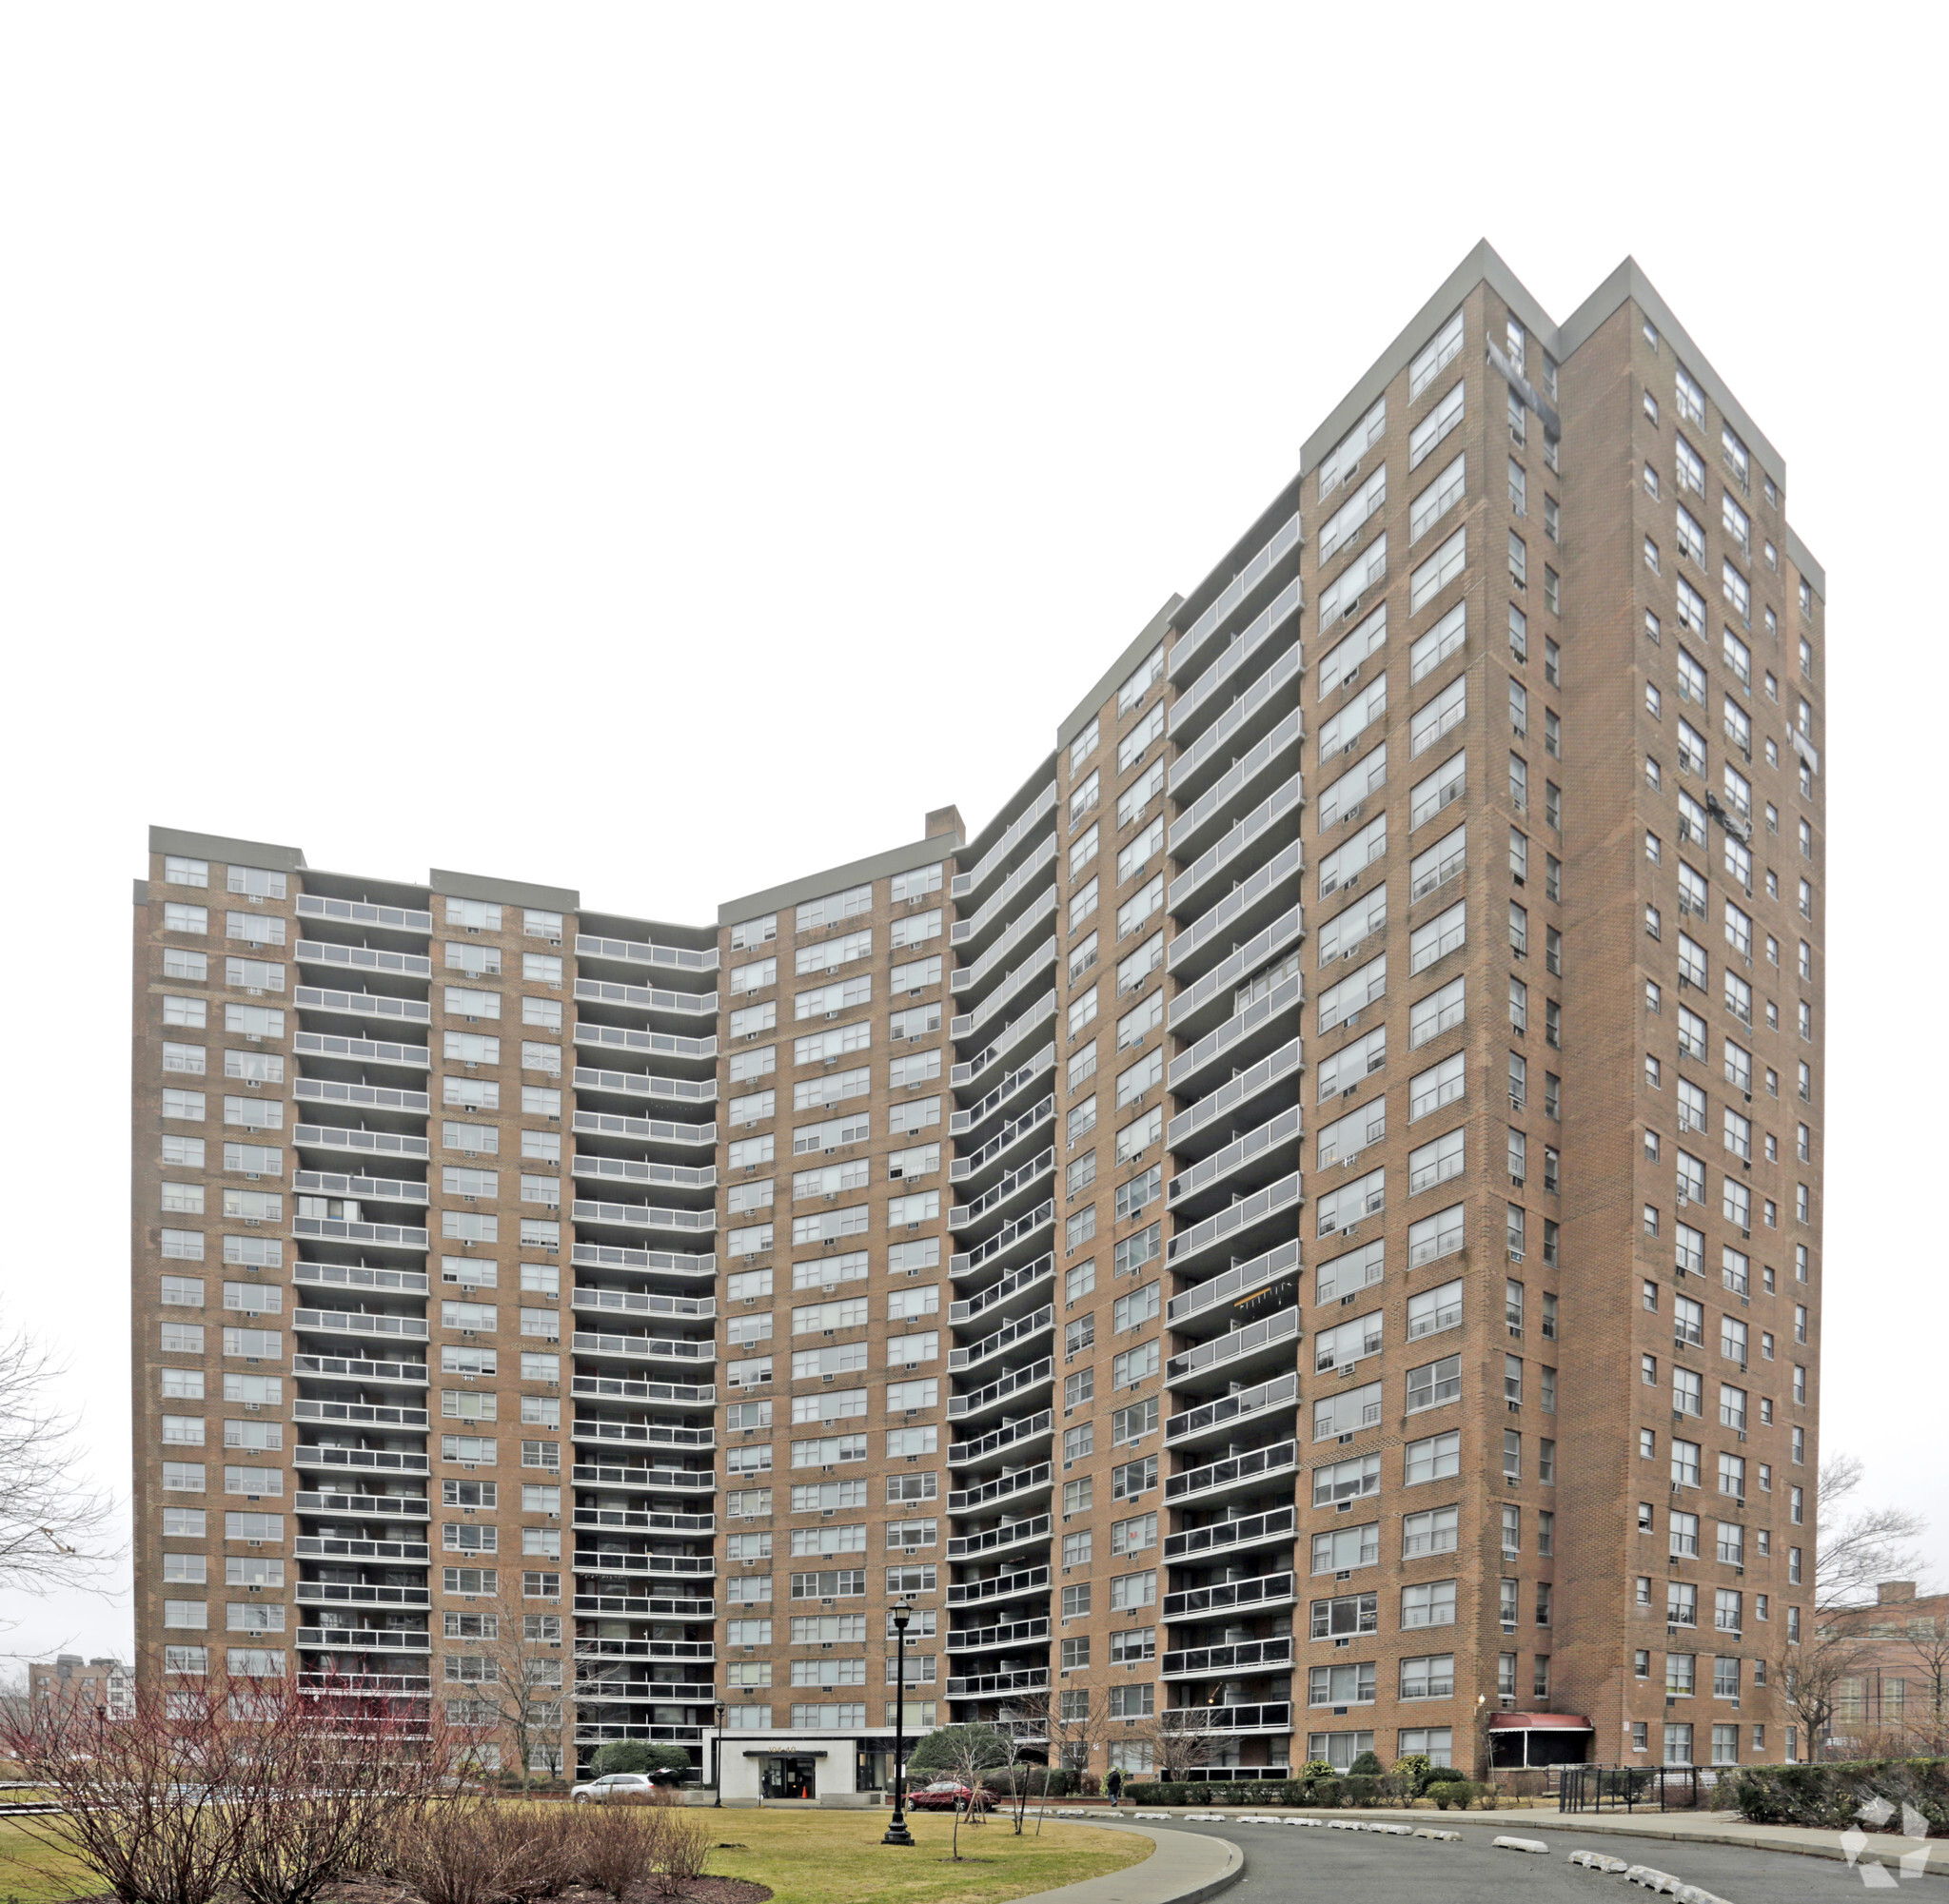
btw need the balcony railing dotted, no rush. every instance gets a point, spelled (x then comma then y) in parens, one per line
(1230, 1536)
(350, 1229)
(1019, 828)
(1017, 1180)
(334, 1593)
(1281, 803)
(343, 1547)
(361, 913)
(646, 997)
(375, 1096)
(361, 1004)
(591, 1560)
(676, 1480)
(1024, 1480)
(380, 1413)
(644, 1084)
(960, 1122)
(1286, 864)
(1017, 1230)
(1000, 1586)
(643, 1216)
(362, 1276)
(979, 1685)
(1284, 539)
(1276, 1717)
(1032, 1428)
(378, 1143)
(1004, 1338)
(644, 1348)
(1258, 951)
(1009, 1534)
(364, 1640)
(1242, 647)
(1041, 1271)
(1021, 929)
(1284, 1063)
(1219, 1476)
(980, 1401)
(367, 1051)
(1287, 995)
(641, 1171)
(1265, 1590)
(1005, 1138)
(642, 1520)
(368, 1506)
(1215, 798)
(357, 1322)
(1007, 1040)
(696, 1308)
(977, 924)
(339, 1183)
(359, 1368)
(1281, 1392)
(1277, 1132)
(1275, 1199)
(1282, 1326)
(1030, 972)
(1246, 1657)
(380, 1460)
(1281, 1260)
(1209, 744)
(635, 952)
(643, 1129)
(1010, 1633)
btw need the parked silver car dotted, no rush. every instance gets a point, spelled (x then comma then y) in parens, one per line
(614, 1785)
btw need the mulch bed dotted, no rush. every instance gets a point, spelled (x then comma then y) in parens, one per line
(699, 1891)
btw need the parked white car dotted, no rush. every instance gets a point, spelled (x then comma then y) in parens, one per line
(614, 1785)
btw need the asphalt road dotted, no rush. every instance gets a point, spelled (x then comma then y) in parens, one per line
(1288, 1864)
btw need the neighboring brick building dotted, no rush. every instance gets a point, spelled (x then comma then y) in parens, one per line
(106, 1683)
(1893, 1691)
(1338, 1252)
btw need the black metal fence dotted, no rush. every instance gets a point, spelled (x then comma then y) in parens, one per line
(1631, 1788)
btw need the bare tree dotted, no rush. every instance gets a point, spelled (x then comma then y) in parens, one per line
(1813, 1677)
(1072, 1723)
(510, 1676)
(53, 1530)
(968, 1751)
(1180, 1738)
(1856, 1548)
(1925, 1721)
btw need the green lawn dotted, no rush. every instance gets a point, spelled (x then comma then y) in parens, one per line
(806, 1857)
(834, 1858)
(33, 1874)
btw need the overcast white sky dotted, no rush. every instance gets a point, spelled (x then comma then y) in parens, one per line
(663, 450)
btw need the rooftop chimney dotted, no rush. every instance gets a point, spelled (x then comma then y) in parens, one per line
(1891, 1590)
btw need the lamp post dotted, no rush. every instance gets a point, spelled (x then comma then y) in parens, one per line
(717, 1764)
(897, 1831)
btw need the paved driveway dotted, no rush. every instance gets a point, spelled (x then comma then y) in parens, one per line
(1290, 1864)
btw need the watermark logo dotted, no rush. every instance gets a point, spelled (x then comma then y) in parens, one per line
(1877, 1812)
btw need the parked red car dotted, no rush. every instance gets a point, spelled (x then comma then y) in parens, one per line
(945, 1795)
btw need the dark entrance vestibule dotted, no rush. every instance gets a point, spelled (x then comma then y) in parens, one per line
(786, 1777)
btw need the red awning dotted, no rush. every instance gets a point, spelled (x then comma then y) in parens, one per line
(1538, 1722)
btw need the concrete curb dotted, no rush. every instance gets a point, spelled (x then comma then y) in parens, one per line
(1183, 1868)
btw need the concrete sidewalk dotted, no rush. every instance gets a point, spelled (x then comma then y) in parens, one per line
(1720, 1828)
(1185, 1867)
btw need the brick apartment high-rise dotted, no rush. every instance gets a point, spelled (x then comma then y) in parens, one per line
(1311, 1213)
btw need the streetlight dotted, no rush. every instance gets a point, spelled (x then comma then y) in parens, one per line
(897, 1831)
(718, 1765)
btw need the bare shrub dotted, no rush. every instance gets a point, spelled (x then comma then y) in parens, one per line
(684, 1848)
(147, 1799)
(622, 1843)
(463, 1852)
